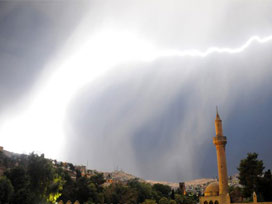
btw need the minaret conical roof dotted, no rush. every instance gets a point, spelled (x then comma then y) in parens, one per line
(217, 114)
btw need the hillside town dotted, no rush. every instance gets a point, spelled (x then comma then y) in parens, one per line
(195, 187)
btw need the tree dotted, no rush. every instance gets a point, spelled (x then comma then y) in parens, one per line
(186, 199)
(120, 193)
(45, 184)
(172, 202)
(250, 170)
(173, 194)
(6, 190)
(163, 200)
(21, 183)
(265, 187)
(98, 180)
(178, 199)
(71, 166)
(78, 174)
(6, 161)
(68, 190)
(163, 190)
(149, 201)
(144, 190)
(235, 193)
(82, 190)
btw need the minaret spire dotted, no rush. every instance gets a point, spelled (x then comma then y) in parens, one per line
(218, 124)
(217, 114)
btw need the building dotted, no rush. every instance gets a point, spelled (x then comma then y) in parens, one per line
(82, 169)
(182, 188)
(217, 192)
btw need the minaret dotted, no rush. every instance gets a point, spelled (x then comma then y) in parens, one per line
(220, 142)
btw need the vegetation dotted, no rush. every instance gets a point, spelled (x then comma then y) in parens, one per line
(30, 179)
(6, 190)
(34, 179)
(253, 179)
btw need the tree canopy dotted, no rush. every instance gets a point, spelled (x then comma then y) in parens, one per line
(253, 179)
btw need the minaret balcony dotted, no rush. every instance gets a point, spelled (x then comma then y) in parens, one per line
(220, 140)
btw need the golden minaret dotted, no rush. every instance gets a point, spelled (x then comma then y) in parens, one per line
(220, 142)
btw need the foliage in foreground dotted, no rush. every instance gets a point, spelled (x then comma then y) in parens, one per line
(30, 179)
(33, 179)
(253, 179)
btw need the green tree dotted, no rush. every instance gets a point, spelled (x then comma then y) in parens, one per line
(172, 202)
(98, 180)
(21, 183)
(250, 170)
(5, 161)
(149, 201)
(144, 190)
(69, 186)
(235, 193)
(45, 184)
(163, 200)
(186, 199)
(163, 190)
(83, 189)
(265, 187)
(178, 199)
(71, 166)
(6, 190)
(120, 193)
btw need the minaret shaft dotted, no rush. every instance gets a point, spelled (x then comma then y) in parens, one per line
(218, 128)
(222, 169)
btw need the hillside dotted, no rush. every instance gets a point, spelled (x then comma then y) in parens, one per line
(197, 185)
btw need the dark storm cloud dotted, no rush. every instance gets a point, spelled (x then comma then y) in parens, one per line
(30, 35)
(157, 119)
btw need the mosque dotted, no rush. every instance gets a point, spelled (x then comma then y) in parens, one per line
(217, 192)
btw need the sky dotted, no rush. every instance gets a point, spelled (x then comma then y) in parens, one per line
(134, 85)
